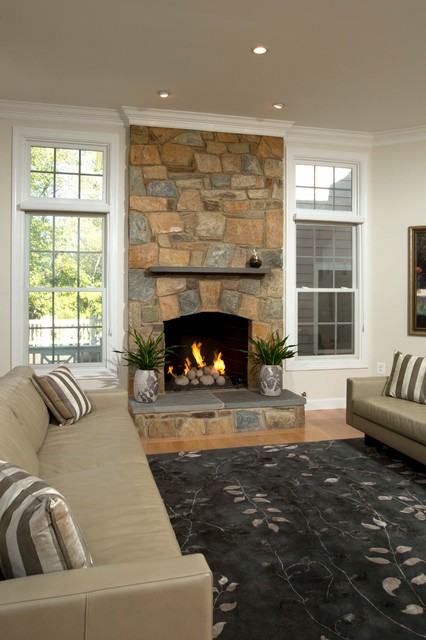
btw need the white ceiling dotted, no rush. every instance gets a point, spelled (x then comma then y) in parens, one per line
(358, 65)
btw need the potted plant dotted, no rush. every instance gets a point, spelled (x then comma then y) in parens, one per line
(268, 355)
(148, 358)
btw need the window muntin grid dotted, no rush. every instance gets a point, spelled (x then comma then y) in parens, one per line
(66, 173)
(324, 187)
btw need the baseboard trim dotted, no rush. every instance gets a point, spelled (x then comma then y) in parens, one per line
(325, 403)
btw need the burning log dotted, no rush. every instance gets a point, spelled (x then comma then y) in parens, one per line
(202, 373)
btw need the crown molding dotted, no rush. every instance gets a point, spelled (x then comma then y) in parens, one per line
(399, 136)
(205, 121)
(315, 136)
(59, 113)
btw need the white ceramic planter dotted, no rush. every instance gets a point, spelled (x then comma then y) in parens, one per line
(145, 386)
(271, 380)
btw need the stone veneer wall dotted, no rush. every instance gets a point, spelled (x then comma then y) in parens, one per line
(204, 199)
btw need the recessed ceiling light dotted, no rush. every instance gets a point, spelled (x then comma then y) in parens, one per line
(163, 93)
(278, 105)
(259, 50)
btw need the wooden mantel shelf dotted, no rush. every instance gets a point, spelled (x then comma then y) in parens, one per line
(210, 271)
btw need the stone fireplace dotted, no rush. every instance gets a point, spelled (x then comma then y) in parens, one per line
(200, 201)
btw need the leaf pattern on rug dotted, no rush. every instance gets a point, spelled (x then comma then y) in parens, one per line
(319, 540)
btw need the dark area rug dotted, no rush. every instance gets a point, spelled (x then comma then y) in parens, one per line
(312, 541)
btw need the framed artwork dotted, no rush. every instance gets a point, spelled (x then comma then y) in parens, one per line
(417, 281)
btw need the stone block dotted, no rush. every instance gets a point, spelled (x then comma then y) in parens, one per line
(220, 180)
(138, 134)
(242, 182)
(244, 231)
(162, 428)
(273, 168)
(249, 420)
(165, 222)
(190, 138)
(191, 427)
(144, 154)
(273, 309)
(208, 163)
(283, 418)
(169, 307)
(189, 182)
(274, 228)
(189, 302)
(148, 203)
(174, 257)
(238, 147)
(141, 426)
(136, 182)
(141, 287)
(230, 302)
(168, 286)
(163, 134)
(273, 284)
(231, 163)
(142, 256)
(135, 314)
(272, 258)
(252, 287)
(164, 188)
(224, 423)
(216, 147)
(258, 194)
(271, 147)
(150, 315)
(221, 136)
(277, 190)
(177, 155)
(249, 307)
(156, 172)
(139, 230)
(240, 206)
(251, 164)
(209, 294)
(189, 200)
(219, 255)
(210, 225)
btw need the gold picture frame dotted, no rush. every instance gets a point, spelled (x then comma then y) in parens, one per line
(417, 281)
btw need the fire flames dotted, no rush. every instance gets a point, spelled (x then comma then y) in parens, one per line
(201, 373)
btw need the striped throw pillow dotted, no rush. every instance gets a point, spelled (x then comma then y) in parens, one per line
(407, 380)
(38, 533)
(63, 395)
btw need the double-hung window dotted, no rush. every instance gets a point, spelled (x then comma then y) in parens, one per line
(64, 218)
(326, 208)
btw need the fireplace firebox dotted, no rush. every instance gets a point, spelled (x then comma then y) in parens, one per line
(208, 351)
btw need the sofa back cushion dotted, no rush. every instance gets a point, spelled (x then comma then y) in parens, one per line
(407, 380)
(18, 393)
(14, 444)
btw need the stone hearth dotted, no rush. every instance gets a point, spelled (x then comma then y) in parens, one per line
(198, 413)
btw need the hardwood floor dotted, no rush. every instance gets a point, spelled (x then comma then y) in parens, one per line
(319, 425)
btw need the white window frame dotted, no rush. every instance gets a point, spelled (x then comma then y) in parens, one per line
(22, 202)
(359, 162)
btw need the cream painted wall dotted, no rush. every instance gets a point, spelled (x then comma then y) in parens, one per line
(6, 279)
(399, 201)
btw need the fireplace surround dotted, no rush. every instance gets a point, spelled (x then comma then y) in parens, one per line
(199, 202)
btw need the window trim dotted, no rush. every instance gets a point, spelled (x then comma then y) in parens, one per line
(23, 138)
(358, 219)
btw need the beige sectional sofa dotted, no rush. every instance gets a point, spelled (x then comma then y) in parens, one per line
(140, 586)
(401, 424)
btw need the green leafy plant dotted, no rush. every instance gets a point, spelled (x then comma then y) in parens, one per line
(272, 350)
(149, 354)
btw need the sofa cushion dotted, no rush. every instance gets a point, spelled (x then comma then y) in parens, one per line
(402, 416)
(63, 395)
(17, 392)
(14, 444)
(407, 380)
(38, 533)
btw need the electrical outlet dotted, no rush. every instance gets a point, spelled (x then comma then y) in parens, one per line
(381, 368)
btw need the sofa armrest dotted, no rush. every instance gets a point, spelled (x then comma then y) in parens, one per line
(109, 398)
(153, 600)
(362, 388)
